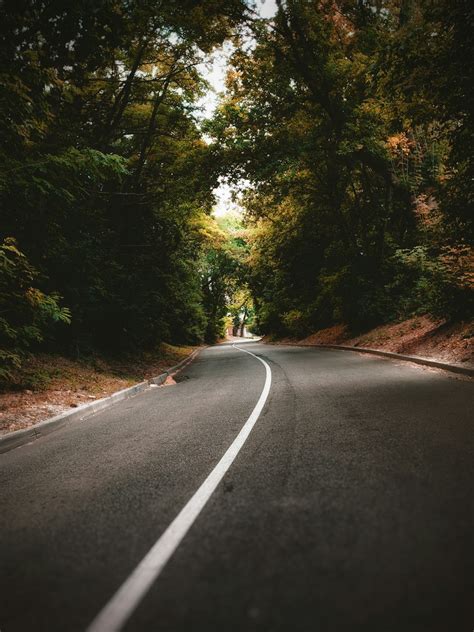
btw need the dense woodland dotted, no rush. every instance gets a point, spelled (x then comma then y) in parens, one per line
(350, 121)
(353, 121)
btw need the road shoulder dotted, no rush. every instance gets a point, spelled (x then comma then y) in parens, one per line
(26, 435)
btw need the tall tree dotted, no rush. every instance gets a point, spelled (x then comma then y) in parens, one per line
(346, 152)
(104, 173)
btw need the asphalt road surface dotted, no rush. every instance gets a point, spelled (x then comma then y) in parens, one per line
(349, 505)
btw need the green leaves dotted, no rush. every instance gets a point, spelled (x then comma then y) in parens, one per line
(331, 118)
(104, 175)
(26, 312)
(106, 180)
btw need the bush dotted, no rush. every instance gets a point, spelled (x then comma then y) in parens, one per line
(25, 311)
(444, 280)
(296, 323)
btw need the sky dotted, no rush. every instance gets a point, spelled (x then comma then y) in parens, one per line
(214, 72)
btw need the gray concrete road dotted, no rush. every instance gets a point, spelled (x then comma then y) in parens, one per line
(349, 507)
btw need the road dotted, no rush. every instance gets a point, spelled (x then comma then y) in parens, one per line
(349, 506)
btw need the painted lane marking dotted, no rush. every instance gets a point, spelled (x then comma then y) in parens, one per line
(121, 606)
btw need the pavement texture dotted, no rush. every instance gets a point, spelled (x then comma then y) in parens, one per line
(350, 507)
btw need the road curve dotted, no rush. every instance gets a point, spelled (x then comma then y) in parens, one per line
(349, 507)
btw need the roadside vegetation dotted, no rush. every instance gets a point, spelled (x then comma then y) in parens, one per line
(353, 123)
(48, 384)
(350, 123)
(107, 245)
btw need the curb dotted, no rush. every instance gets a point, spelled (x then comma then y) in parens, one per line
(159, 379)
(454, 368)
(26, 435)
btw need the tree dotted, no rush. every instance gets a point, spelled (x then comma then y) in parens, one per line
(339, 152)
(104, 173)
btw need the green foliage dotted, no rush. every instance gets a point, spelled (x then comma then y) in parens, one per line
(295, 323)
(224, 272)
(104, 175)
(439, 287)
(26, 313)
(352, 122)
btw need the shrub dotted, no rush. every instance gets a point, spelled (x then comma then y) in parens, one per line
(25, 311)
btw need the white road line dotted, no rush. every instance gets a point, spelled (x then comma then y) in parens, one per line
(119, 609)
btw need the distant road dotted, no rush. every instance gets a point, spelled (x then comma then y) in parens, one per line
(345, 503)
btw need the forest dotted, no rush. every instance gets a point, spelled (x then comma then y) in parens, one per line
(345, 128)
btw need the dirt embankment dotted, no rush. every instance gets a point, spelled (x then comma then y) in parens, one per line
(419, 336)
(53, 384)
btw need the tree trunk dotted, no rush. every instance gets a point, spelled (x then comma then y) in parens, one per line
(123, 97)
(151, 128)
(242, 322)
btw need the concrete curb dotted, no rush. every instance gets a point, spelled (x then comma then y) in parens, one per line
(160, 379)
(454, 368)
(20, 437)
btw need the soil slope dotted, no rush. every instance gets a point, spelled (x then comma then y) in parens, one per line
(420, 336)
